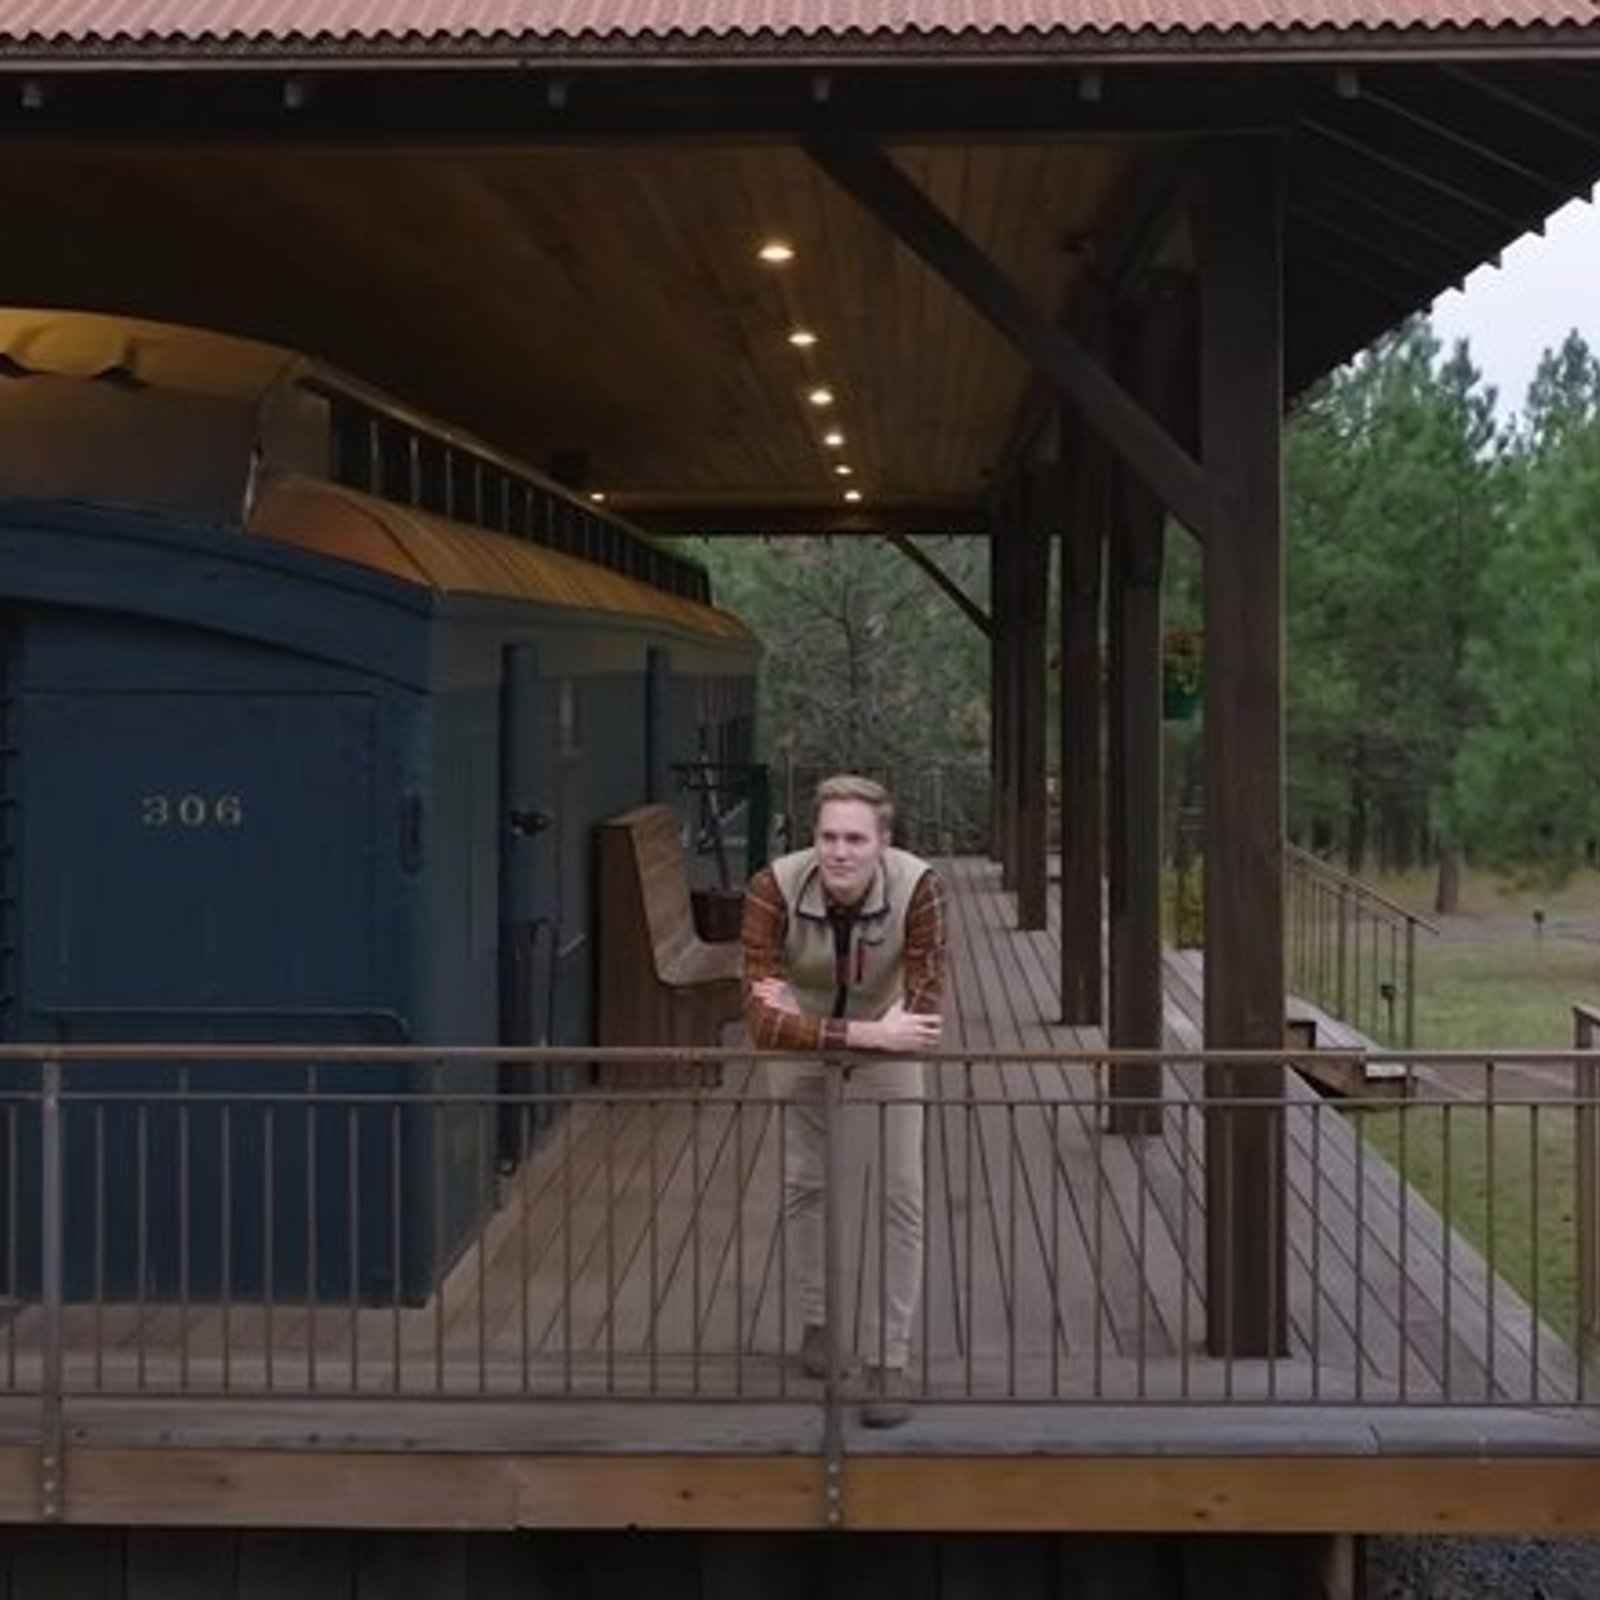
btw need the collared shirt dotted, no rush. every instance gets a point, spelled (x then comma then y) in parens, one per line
(765, 930)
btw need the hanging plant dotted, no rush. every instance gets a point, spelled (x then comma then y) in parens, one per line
(1182, 664)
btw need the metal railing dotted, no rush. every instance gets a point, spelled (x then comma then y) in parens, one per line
(1350, 950)
(274, 1223)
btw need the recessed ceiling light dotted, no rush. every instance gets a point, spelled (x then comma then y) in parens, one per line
(775, 252)
(802, 338)
(821, 397)
(842, 471)
(598, 496)
(834, 439)
(853, 496)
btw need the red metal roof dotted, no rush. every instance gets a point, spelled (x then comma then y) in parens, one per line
(470, 24)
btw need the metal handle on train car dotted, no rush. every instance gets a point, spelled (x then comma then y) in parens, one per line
(525, 823)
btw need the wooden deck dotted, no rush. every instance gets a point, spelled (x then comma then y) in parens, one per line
(627, 1320)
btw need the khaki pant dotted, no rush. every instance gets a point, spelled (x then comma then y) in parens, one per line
(880, 1159)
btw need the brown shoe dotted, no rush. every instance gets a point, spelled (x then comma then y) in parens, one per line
(814, 1353)
(886, 1404)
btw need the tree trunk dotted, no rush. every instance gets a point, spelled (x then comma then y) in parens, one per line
(1447, 891)
(1355, 848)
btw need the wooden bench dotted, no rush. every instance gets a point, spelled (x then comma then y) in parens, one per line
(658, 981)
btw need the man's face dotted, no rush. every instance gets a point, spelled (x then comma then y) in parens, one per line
(850, 845)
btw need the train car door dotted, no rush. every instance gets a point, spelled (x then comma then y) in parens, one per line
(530, 891)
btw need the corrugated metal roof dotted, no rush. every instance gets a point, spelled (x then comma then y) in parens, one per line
(467, 24)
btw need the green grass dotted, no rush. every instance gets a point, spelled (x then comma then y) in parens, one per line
(1490, 983)
(1512, 1196)
(1502, 994)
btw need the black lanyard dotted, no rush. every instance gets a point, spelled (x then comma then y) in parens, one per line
(843, 921)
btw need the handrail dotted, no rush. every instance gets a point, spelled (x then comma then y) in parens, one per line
(630, 1238)
(1586, 1180)
(1295, 855)
(1350, 949)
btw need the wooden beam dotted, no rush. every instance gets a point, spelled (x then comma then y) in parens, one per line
(947, 586)
(1040, 493)
(869, 175)
(1082, 760)
(1241, 238)
(1464, 1492)
(1461, 1494)
(1447, 183)
(1146, 208)
(908, 520)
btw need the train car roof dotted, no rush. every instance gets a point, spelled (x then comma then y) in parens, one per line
(453, 558)
(159, 355)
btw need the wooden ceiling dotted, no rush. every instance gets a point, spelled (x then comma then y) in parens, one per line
(573, 274)
(607, 301)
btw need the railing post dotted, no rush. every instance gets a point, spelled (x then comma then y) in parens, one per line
(1411, 983)
(1341, 941)
(833, 1289)
(1587, 1180)
(52, 1235)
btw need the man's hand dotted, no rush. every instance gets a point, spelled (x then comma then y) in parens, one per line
(777, 994)
(899, 1030)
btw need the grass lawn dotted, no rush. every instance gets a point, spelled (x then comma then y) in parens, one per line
(1512, 1196)
(1491, 980)
(1503, 993)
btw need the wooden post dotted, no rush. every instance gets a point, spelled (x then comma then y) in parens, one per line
(1154, 341)
(1008, 683)
(1134, 838)
(1082, 765)
(1241, 253)
(1032, 830)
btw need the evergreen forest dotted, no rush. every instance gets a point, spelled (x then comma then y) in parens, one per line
(1443, 622)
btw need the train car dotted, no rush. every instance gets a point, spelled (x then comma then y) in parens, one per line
(310, 708)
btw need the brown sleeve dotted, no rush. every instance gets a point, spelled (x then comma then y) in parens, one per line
(762, 933)
(925, 946)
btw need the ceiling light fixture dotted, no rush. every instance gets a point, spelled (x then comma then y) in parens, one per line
(843, 471)
(802, 338)
(853, 496)
(775, 252)
(821, 397)
(834, 439)
(598, 496)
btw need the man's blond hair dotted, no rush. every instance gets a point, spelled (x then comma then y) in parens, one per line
(851, 786)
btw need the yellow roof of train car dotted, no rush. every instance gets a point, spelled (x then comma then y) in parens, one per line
(453, 558)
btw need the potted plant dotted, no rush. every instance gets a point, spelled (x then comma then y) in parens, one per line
(1182, 660)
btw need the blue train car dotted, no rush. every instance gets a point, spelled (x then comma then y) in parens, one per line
(309, 709)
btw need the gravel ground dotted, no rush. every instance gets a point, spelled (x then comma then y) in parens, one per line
(1483, 1569)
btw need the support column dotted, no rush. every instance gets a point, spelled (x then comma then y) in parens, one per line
(1033, 833)
(1134, 856)
(1241, 251)
(1154, 340)
(1082, 765)
(1009, 608)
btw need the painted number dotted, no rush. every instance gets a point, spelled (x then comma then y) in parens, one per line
(191, 810)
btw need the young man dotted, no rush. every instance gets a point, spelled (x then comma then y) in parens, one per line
(844, 949)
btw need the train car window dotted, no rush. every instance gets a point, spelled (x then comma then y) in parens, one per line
(433, 487)
(520, 516)
(351, 429)
(494, 495)
(394, 461)
(464, 487)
